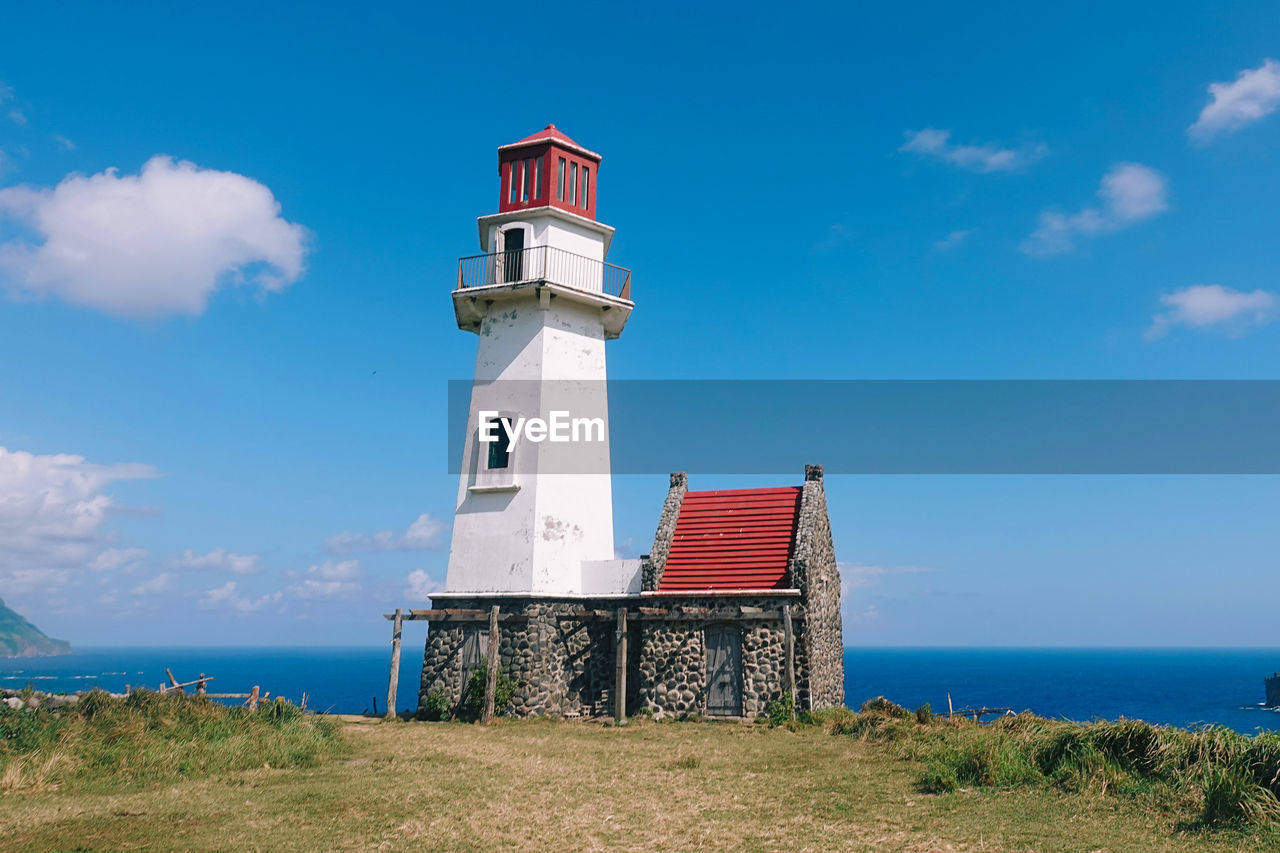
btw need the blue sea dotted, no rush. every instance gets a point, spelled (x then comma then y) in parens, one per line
(1182, 687)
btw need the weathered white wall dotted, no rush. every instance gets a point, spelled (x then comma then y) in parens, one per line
(534, 536)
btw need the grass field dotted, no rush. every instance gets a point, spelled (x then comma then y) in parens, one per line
(553, 785)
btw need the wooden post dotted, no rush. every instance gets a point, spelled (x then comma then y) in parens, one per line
(949, 711)
(394, 684)
(491, 681)
(790, 639)
(304, 702)
(620, 676)
(253, 698)
(200, 685)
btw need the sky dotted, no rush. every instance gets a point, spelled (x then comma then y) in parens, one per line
(228, 236)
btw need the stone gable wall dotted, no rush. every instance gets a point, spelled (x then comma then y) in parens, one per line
(815, 573)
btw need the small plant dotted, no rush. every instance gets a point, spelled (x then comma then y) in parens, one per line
(689, 762)
(924, 714)
(781, 711)
(436, 707)
(504, 692)
(881, 705)
(938, 778)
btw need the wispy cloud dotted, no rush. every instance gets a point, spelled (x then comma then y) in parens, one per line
(1130, 193)
(114, 558)
(422, 535)
(976, 157)
(420, 585)
(1254, 94)
(227, 597)
(952, 240)
(1212, 306)
(328, 581)
(162, 582)
(855, 575)
(222, 560)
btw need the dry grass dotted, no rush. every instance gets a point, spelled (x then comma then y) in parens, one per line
(550, 786)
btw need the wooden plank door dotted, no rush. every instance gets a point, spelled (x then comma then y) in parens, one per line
(724, 672)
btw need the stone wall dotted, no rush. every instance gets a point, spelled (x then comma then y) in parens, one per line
(559, 665)
(815, 573)
(656, 560)
(673, 666)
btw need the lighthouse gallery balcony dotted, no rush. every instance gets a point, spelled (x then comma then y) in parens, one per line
(545, 264)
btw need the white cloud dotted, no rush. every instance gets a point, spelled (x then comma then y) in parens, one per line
(227, 597)
(855, 575)
(328, 580)
(220, 559)
(420, 585)
(423, 534)
(987, 157)
(113, 558)
(1254, 94)
(952, 240)
(1212, 306)
(1130, 193)
(151, 244)
(53, 509)
(160, 583)
(63, 143)
(18, 117)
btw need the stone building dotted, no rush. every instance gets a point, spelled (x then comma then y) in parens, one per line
(737, 602)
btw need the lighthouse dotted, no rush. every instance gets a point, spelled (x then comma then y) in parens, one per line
(738, 602)
(534, 512)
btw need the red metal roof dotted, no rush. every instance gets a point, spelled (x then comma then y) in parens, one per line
(732, 540)
(553, 134)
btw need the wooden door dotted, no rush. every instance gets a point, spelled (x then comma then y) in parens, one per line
(513, 254)
(724, 672)
(475, 648)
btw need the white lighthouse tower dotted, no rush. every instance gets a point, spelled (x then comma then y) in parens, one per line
(535, 517)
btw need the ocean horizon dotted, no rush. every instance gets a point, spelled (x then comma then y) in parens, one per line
(1169, 686)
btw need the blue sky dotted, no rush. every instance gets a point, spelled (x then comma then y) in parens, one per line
(895, 193)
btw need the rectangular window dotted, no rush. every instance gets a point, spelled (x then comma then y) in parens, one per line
(573, 184)
(586, 186)
(511, 182)
(537, 178)
(500, 450)
(560, 182)
(525, 169)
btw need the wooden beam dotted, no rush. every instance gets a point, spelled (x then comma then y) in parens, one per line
(620, 679)
(491, 682)
(453, 615)
(790, 640)
(394, 683)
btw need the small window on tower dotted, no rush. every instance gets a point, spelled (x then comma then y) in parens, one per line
(524, 180)
(586, 186)
(573, 184)
(500, 448)
(537, 178)
(511, 182)
(560, 181)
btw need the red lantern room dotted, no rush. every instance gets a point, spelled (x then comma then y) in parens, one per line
(548, 169)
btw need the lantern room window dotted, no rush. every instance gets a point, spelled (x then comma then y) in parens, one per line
(524, 179)
(537, 178)
(560, 181)
(586, 185)
(573, 183)
(511, 182)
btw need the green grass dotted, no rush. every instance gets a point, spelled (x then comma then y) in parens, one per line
(851, 781)
(108, 742)
(1213, 777)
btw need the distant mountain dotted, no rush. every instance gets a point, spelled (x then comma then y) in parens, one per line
(20, 639)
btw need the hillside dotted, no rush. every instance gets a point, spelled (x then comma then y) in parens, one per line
(20, 639)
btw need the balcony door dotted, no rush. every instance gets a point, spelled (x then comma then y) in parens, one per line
(513, 254)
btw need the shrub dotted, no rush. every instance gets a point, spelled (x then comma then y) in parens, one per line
(836, 721)
(881, 705)
(1231, 797)
(924, 714)
(503, 693)
(436, 707)
(780, 712)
